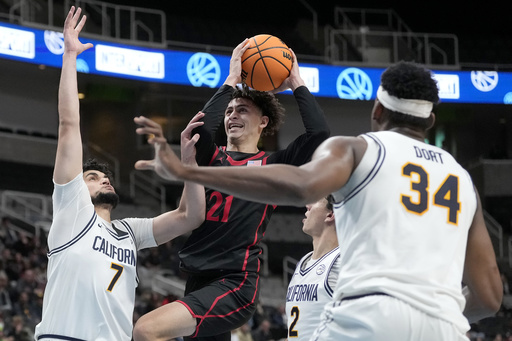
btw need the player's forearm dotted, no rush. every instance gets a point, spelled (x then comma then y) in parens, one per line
(68, 91)
(272, 184)
(68, 159)
(214, 112)
(216, 106)
(192, 205)
(311, 113)
(187, 217)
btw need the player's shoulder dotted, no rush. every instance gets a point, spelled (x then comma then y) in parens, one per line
(337, 142)
(130, 223)
(340, 145)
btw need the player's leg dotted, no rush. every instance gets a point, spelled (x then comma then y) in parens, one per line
(164, 323)
(211, 308)
(221, 305)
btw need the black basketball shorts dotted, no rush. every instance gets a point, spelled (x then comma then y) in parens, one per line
(221, 304)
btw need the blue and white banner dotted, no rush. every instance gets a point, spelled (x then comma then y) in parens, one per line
(210, 70)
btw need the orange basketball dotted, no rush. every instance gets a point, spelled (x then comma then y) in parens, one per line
(266, 63)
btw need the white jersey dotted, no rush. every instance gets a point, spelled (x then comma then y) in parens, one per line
(90, 293)
(403, 219)
(310, 288)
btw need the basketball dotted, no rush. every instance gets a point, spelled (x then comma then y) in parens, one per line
(266, 63)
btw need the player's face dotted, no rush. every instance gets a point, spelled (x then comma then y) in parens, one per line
(97, 182)
(101, 191)
(314, 222)
(242, 119)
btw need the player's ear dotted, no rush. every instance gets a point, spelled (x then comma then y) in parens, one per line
(329, 218)
(432, 119)
(264, 121)
(377, 110)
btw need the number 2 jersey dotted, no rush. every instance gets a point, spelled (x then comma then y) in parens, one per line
(403, 220)
(228, 239)
(90, 293)
(309, 290)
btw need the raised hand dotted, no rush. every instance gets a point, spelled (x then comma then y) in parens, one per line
(188, 150)
(166, 163)
(294, 80)
(72, 28)
(235, 64)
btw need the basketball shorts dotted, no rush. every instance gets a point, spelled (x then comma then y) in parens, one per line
(381, 317)
(220, 304)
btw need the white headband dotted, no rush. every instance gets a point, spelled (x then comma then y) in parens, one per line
(414, 107)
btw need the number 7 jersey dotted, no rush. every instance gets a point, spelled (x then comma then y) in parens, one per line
(402, 221)
(90, 294)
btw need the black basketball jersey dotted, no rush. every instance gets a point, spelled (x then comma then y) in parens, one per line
(228, 240)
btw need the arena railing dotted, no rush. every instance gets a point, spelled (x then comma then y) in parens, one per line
(147, 27)
(32, 210)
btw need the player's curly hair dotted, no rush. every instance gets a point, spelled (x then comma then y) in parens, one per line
(93, 164)
(268, 104)
(410, 80)
(330, 202)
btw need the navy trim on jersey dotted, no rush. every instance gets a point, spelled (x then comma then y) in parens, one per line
(308, 269)
(82, 233)
(130, 232)
(59, 337)
(371, 175)
(128, 228)
(328, 288)
(118, 231)
(116, 236)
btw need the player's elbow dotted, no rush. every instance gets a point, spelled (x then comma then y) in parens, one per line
(189, 221)
(490, 305)
(494, 298)
(194, 221)
(142, 331)
(68, 122)
(484, 300)
(493, 303)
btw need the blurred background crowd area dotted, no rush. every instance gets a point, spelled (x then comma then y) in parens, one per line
(474, 132)
(23, 279)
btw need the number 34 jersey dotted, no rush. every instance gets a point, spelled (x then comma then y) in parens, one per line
(402, 222)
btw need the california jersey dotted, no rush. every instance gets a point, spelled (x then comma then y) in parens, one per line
(404, 217)
(310, 288)
(90, 293)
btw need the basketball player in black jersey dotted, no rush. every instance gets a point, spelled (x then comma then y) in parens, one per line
(387, 246)
(222, 255)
